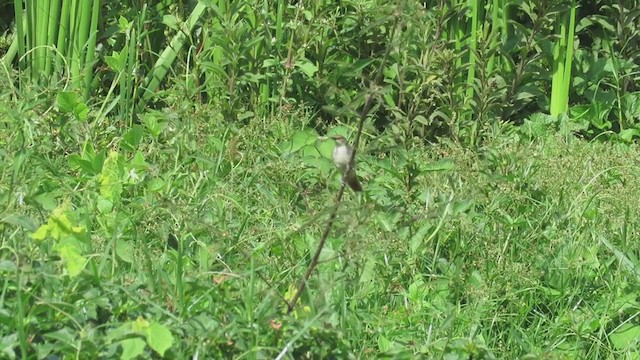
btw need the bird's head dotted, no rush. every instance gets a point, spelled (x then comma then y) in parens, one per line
(339, 139)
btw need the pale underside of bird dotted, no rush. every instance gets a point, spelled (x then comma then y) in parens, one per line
(341, 157)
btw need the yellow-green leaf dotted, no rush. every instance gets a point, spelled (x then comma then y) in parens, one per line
(140, 325)
(159, 338)
(70, 251)
(131, 348)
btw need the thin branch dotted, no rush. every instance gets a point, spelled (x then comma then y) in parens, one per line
(373, 91)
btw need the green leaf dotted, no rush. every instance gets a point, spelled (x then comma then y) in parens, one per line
(81, 111)
(159, 338)
(171, 21)
(70, 251)
(154, 123)
(356, 68)
(104, 206)
(310, 151)
(155, 185)
(270, 62)
(324, 166)
(325, 148)
(625, 337)
(41, 233)
(67, 101)
(113, 61)
(631, 104)
(629, 134)
(132, 138)
(245, 115)
(132, 348)
(75, 161)
(368, 279)
(58, 225)
(441, 165)
(123, 24)
(98, 162)
(64, 335)
(8, 265)
(111, 177)
(384, 344)
(418, 239)
(307, 67)
(23, 221)
(388, 220)
(48, 200)
(461, 206)
(124, 250)
(299, 140)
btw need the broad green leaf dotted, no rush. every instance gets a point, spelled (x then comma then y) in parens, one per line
(389, 220)
(384, 344)
(41, 233)
(98, 161)
(245, 115)
(321, 164)
(299, 140)
(138, 161)
(104, 206)
(75, 161)
(58, 225)
(132, 138)
(155, 184)
(307, 67)
(132, 348)
(270, 62)
(631, 104)
(20, 220)
(171, 21)
(629, 134)
(140, 325)
(124, 250)
(81, 111)
(64, 335)
(67, 101)
(325, 148)
(339, 130)
(310, 151)
(70, 251)
(159, 338)
(113, 61)
(626, 336)
(119, 332)
(154, 123)
(8, 265)
(123, 24)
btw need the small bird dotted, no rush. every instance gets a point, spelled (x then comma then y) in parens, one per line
(341, 156)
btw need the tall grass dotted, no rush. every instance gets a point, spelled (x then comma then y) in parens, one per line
(57, 39)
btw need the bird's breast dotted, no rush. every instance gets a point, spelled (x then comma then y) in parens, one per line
(341, 157)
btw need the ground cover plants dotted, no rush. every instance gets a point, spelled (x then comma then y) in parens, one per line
(165, 185)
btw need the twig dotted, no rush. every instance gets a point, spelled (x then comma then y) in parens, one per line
(363, 115)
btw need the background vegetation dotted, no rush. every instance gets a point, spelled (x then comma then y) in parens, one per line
(163, 187)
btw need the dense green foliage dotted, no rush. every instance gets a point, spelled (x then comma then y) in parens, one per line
(164, 185)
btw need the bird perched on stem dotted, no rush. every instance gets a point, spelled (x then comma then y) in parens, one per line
(341, 157)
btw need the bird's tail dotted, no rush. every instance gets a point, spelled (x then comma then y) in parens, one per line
(352, 180)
